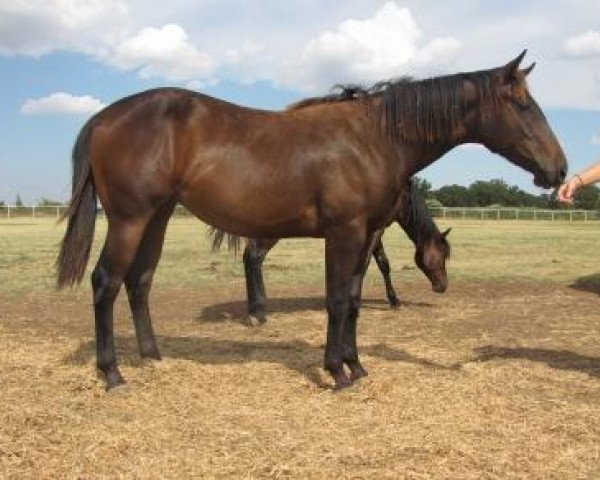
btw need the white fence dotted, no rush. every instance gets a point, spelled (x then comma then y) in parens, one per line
(12, 211)
(515, 214)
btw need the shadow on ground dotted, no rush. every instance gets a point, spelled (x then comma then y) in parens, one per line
(298, 356)
(237, 310)
(558, 359)
(589, 283)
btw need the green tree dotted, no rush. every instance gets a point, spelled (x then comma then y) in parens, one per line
(18, 201)
(453, 196)
(587, 198)
(492, 192)
(423, 187)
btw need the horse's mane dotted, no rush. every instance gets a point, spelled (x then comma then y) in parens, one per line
(428, 110)
(340, 93)
(416, 220)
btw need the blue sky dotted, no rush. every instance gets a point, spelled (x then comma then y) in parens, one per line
(62, 60)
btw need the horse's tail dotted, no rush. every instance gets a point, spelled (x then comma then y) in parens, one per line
(77, 242)
(217, 236)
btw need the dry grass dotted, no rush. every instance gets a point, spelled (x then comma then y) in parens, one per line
(495, 379)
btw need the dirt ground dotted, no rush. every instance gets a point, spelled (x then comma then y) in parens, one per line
(490, 380)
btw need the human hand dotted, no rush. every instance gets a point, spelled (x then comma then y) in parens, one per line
(567, 190)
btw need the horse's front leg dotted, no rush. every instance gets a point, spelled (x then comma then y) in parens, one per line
(350, 348)
(344, 256)
(384, 267)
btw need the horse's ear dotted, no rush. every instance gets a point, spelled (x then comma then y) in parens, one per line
(446, 232)
(511, 68)
(528, 70)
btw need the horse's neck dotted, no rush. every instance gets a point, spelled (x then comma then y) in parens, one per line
(417, 223)
(416, 157)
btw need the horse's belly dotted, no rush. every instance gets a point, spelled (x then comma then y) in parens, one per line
(253, 212)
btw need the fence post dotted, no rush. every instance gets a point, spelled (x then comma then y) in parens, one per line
(33, 212)
(8, 207)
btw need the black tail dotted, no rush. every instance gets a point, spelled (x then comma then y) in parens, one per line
(77, 242)
(233, 241)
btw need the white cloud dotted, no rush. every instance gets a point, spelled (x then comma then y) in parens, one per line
(249, 48)
(162, 52)
(102, 29)
(389, 44)
(584, 45)
(37, 27)
(472, 146)
(62, 103)
(595, 140)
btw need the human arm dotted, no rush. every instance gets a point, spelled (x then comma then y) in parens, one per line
(588, 176)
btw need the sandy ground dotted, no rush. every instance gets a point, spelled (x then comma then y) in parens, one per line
(490, 380)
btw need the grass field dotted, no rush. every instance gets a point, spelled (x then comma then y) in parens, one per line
(497, 378)
(505, 250)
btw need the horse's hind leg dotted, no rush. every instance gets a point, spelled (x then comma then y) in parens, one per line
(122, 241)
(138, 280)
(384, 267)
(254, 255)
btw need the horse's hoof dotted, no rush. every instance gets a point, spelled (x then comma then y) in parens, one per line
(255, 320)
(394, 303)
(151, 354)
(117, 389)
(357, 372)
(114, 379)
(342, 382)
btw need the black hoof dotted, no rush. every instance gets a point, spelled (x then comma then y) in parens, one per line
(342, 381)
(151, 354)
(394, 302)
(357, 372)
(114, 379)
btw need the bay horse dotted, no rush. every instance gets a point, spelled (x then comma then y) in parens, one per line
(431, 252)
(334, 167)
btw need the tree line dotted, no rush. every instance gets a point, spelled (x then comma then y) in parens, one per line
(482, 193)
(497, 193)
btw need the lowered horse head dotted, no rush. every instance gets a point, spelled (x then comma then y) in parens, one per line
(431, 246)
(515, 127)
(431, 256)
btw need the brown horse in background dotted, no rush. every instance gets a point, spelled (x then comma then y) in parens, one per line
(431, 252)
(334, 167)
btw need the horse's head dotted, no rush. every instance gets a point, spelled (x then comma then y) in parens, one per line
(515, 127)
(430, 257)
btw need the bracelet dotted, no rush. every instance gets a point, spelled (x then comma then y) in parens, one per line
(578, 177)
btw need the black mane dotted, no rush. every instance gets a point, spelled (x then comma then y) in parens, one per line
(417, 222)
(428, 110)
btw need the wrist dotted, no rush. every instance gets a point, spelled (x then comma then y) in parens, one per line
(579, 180)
